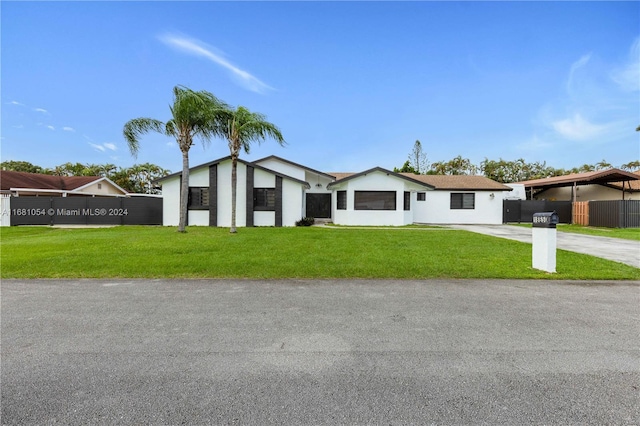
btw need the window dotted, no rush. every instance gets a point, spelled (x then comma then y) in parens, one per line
(198, 198)
(422, 196)
(342, 200)
(375, 200)
(99, 186)
(407, 201)
(264, 199)
(463, 201)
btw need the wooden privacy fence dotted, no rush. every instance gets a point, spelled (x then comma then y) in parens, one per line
(581, 213)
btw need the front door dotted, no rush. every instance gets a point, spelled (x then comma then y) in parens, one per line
(319, 206)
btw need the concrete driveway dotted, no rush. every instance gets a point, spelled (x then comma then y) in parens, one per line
(616, 249)
(319, 352)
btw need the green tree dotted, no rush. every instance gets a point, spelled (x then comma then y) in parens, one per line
(21, 166)
(418, 159)
(241, 128)
(193, 115)
(456, 166)
(406, 168)
(631, 166)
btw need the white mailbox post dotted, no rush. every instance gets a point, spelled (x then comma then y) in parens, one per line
(543, 235)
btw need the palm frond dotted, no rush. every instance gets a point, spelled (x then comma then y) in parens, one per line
(133, 129)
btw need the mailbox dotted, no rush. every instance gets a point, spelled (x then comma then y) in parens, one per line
(545, 220)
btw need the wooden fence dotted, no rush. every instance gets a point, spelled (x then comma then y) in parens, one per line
(581, 213)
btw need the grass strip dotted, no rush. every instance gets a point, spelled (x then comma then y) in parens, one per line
(308, 252)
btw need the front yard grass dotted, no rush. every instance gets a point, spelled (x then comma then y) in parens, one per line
(314, 252)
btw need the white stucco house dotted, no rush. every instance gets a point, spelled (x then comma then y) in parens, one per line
(274, 191)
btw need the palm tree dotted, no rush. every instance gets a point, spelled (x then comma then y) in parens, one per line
(241, 128)
(193, 114)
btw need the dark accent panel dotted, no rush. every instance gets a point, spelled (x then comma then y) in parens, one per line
(142, 211)
(86, 211)
(278, 201)
(511, 211)
(31, 211)
(523, 210)
(319, 205)
(612, 214)
(213, 195)
(69, 210)
(249, 195)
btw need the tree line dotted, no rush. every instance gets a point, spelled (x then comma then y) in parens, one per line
(137, 178)
(504, 171)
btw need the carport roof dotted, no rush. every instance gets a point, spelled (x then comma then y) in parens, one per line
(609, 176)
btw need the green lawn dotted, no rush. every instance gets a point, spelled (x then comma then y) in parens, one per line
(624, 233)
(161, 252)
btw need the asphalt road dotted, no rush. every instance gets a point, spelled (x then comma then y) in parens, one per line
(320, 352)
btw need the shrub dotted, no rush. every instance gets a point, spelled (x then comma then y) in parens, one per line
(305, 221)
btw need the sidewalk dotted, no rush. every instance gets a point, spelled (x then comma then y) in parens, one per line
(616, 249)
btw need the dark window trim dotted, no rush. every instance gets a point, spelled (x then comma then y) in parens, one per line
(341, 200)
(463, 201)
(407, 201)
(422, 196)
(197, 194)
(269, 195)
(390, 202)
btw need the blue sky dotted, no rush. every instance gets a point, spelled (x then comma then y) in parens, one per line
(351, 85)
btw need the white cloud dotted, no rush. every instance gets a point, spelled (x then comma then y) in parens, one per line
(198, 48)
(97, 147)
(68, 129)
(19, 126)
(42, 110)
(17, 103)
(103, 147)
(577, 128)
(51, 128)
(627, 76)
(575, 67)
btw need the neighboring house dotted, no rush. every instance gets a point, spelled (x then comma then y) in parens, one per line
(33, 184)
(276, 192)
(600, 185)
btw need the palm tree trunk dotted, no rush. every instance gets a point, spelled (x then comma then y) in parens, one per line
(234, 184)
(184, 191)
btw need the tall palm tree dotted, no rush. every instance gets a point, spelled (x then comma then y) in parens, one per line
(241, 128)
(193, 114)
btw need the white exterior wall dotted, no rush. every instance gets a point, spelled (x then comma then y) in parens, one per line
(517, 193)
(284, 168)
(5, 210)
(224, 195)
(292, 203)
(375, 181)
(171, 202)
(437, 209)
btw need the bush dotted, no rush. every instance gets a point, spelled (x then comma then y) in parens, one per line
(305, 221)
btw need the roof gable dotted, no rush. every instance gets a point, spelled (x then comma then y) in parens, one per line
(275, 157)
(228, 158)
(349, 177)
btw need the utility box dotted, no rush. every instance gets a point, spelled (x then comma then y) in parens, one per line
(543, 239)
